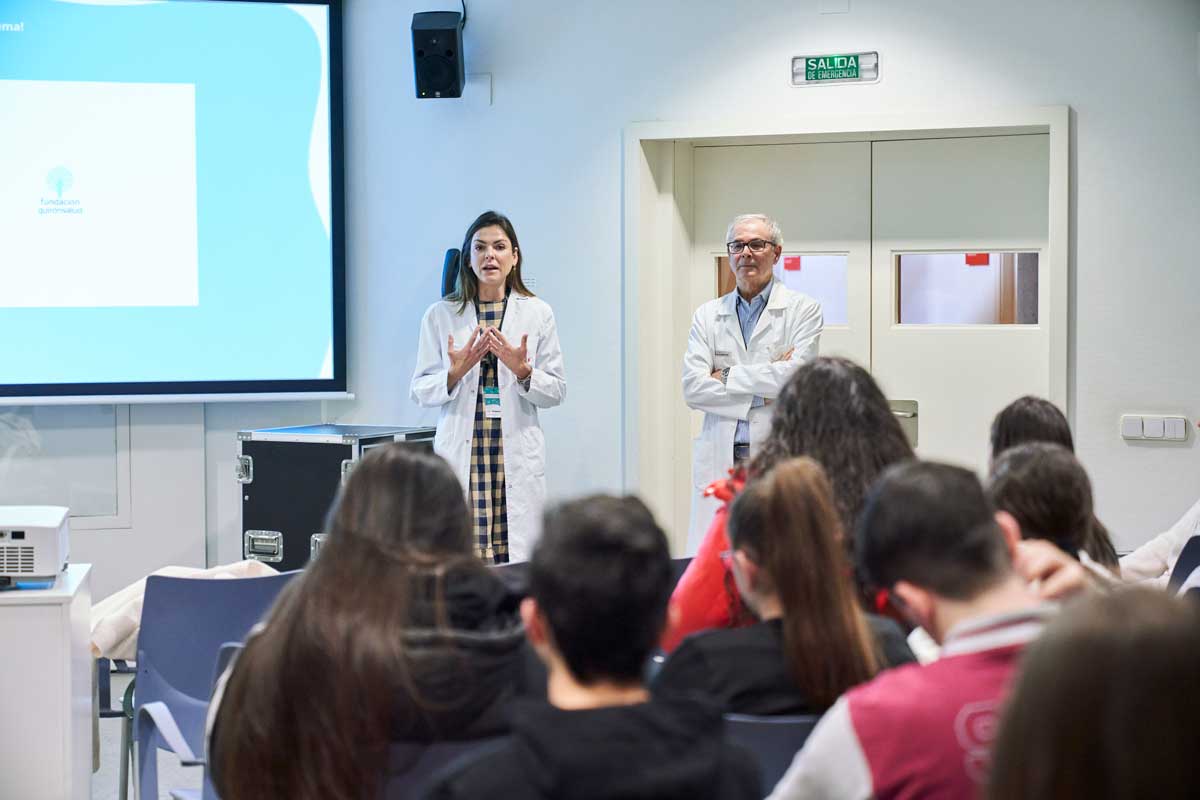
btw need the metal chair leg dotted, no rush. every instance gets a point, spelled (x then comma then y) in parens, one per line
(127, 745)
(123, 780)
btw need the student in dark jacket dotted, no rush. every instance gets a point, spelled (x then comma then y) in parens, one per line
(599, 584)
(396, 634)
(811, 643)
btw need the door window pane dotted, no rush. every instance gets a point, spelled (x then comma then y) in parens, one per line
(821, 276)
(998, 288)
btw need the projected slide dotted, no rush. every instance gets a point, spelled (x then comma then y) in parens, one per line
(139, 143)
(166, 194)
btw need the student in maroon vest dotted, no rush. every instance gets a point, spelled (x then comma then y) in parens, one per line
(930, 538)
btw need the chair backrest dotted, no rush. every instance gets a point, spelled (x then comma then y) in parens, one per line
(774, 741)
(412, 765)
(225, 655)
(678, 567)
(515, 575)
(186, 620)
(1186, 564)
(450, 272)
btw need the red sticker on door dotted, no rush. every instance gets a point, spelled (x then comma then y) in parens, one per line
(978, 259)
(791, 263)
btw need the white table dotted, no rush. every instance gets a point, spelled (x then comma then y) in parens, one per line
(46, 689)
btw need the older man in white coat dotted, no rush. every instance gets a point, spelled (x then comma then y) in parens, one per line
(742, 348)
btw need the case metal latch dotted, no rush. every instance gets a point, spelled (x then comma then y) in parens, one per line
(243, 469)
(315, 543)
(347, 467)
(263, 545)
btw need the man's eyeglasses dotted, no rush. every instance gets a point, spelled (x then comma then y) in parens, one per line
(756, 246)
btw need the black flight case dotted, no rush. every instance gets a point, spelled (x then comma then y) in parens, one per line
(290, 476)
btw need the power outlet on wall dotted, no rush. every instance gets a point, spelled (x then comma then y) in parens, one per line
(1154, 428)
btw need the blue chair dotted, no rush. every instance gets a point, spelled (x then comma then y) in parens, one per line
(774, 741)
(225, 657)
(185, 622)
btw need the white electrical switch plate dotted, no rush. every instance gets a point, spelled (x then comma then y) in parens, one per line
(1131, 427)
(1176, 428)
(1153, 427)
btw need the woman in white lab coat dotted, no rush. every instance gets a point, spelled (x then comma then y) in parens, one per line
(488, 359)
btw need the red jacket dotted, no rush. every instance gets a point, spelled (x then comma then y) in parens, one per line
(706, 595)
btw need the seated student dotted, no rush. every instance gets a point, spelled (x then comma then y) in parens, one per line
(929, 536)
(1106, 705)
(1048, 492)
(812, 643)
(1030, 419)
(599, 581)
(830, 410)
(395, 633)
(1153, 562)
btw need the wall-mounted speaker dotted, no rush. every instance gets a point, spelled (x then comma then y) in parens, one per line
(437, 54)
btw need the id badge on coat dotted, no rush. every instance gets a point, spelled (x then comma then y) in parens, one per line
(491, 402)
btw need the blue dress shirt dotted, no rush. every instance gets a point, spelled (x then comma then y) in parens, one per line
(748, 314)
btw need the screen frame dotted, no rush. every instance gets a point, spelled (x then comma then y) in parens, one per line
(242, 390)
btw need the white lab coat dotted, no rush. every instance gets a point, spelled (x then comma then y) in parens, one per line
(524, 444)
(790, 321)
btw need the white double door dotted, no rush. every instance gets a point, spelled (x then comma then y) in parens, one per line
(852, 212)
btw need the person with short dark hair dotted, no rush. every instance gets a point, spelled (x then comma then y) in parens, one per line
(929, 537)
(812, 642)
(599, 581)
(1106, 706)
(1030, 419)
(1047, 491)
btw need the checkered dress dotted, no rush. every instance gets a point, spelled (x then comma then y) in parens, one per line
(488, 503)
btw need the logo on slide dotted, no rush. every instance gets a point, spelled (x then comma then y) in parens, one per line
(59, 181)
(12, 27)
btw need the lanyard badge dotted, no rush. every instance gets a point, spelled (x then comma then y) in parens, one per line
(491, 402)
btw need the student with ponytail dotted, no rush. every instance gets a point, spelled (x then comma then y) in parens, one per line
(812, 642)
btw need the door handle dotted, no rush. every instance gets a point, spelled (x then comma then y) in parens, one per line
(906, 413)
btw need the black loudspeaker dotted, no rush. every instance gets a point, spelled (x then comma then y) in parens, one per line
(437, 53)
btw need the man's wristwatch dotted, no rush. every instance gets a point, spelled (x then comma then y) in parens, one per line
(725, 375)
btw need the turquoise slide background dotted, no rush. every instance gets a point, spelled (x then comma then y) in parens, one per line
(265, 263)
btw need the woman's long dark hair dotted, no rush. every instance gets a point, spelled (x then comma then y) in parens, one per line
(467, 288)
(832, 411)
(1048, 492)
(308, 707)
(786, 523)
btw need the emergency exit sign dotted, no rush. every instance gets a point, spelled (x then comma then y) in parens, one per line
(835, 68)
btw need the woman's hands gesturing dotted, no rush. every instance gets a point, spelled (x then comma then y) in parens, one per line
(486, 340)
(515, 358)
(462, 360)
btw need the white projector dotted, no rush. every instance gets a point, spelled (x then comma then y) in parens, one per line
(34, 542)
